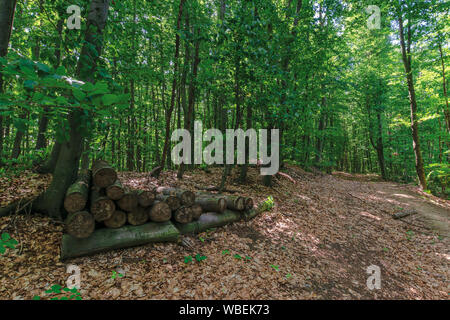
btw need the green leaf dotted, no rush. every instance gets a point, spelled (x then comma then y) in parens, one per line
(5, 236)
(36, 298)
(43, 67)
(109, 99)
(275, 267)
(78, 94)
(61, 71)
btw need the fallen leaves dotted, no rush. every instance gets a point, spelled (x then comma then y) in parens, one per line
(315, 243)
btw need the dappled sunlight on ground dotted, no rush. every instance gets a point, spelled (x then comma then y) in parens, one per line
(316, 243)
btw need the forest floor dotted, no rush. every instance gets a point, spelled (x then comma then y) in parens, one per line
(316, 243)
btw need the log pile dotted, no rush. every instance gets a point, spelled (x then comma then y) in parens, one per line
(98, 199)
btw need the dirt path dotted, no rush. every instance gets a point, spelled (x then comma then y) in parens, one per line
(433, 212)
(316, 243)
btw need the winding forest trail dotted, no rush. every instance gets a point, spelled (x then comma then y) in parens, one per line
(434, 214)
(315, 243)
(432, 211)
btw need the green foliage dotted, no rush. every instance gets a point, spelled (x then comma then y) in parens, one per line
(268, 204)
(199, 257)
(7, 242)
(58, 289)
(115, 274)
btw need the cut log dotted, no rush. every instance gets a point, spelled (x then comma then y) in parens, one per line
(138, 216)
(209, 220)
(235, 203)
(160, 212)
(102, 208)
(129, 201)
(212, 203)
(183, 215)
(196, 211)
(108, 239)
(187, 197)
(103, 175)
(115, 191)
(146, 198)
(249, 204)
(80, 224)
(117, 220)
(78, 193)
(173, 201)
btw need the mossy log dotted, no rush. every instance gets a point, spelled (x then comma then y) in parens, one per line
(115, 191)
(102, 208)
(108, 239)
(77, 194)
(103, 175)
(146, 197)
(138, 216)
(117, 220)
(129, 201)
(209, 220)
(187, 197)
(160, 212)
(173, 201)
(183, 215)
(235, 203)
(196, 211)
(80, 224)
(212, 203)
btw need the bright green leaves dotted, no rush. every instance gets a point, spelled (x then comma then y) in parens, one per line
(198, 257)
(58, 289)
(7, 242)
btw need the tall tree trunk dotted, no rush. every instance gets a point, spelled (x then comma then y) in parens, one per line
(66, 170)
(8, 8)
(174, 86)
(192, 90)
(406, 57)
(444, 85)
(18, 138)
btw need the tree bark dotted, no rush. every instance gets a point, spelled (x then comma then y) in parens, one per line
(406, 57)
(174, 85)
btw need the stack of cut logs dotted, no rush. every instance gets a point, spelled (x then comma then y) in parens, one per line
(99, 199)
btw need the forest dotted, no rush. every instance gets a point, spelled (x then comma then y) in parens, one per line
(358, 90)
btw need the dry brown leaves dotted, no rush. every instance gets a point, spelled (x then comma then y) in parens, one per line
(316, 243)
